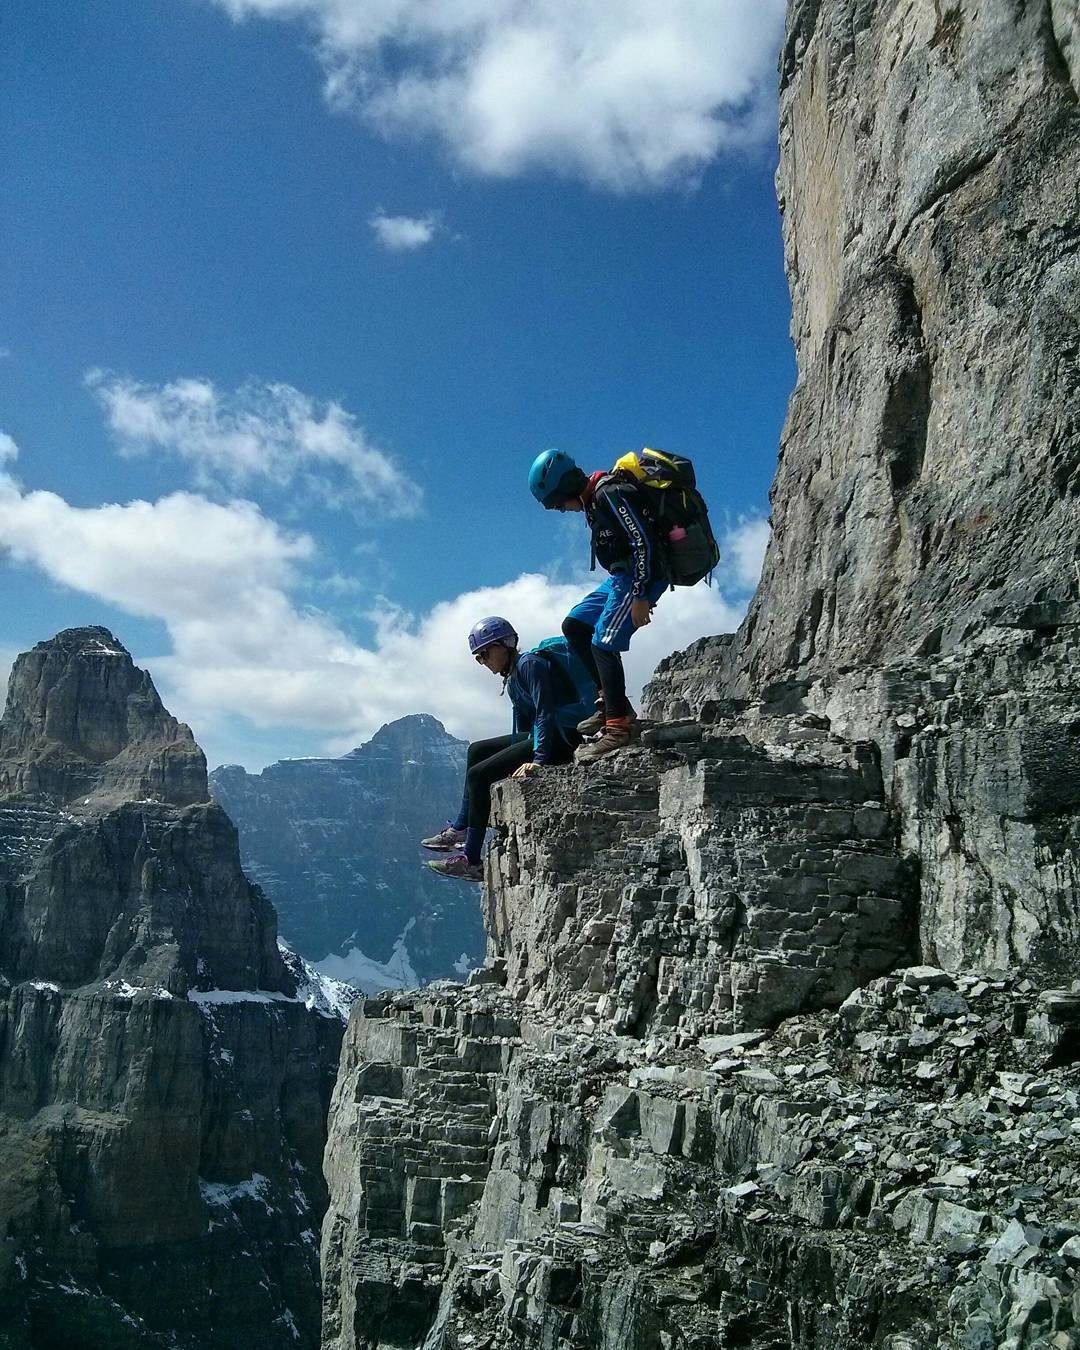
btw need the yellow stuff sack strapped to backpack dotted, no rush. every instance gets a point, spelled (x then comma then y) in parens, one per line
(648, 467)
(678, 510)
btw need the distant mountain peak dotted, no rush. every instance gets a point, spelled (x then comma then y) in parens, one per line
(407, 735)
(83, 724)
(92, 640)
(334, 842)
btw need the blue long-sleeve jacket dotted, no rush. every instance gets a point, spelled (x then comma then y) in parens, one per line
(536, 710)
(623, 536)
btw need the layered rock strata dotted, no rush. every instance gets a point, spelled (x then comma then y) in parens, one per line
(84, 728)
(706, 885)
(693, 1146)
(920, 588)
(164, 1070)
(333, 842)
(410, 1153)
(899, 1173)
(979, 747)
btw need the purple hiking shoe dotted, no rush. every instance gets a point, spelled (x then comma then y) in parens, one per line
(458, 867)
(447, 840)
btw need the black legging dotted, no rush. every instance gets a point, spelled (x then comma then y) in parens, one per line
(605, 667)
(491, 761)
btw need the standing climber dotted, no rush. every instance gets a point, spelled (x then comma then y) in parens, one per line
(599, 627)
(550, 694)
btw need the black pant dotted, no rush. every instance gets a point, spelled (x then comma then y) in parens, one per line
(491, 761)
(605, 667)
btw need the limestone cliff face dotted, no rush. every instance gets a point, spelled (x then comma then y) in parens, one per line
(334, 844)
(702, 886)
(898, 1175)
(920, 589)
(930, 467)
(684, 1105)
(714, 1086)
(164, 1070)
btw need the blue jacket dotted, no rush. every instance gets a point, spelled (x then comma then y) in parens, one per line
(536, 710)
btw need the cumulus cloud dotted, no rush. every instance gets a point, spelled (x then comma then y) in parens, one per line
(196, 564)
(626, 95)
(423, 662)
(404, 234)
(223, 579)
(8, 449)
(271, 432)
(743, 552)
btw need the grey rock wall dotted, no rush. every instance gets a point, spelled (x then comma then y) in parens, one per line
(928, 469)
(920, 589)
(712, 885)
(165, 1070)
(410, 1153)
(795, 984)
(978, 745)
(898, 1174)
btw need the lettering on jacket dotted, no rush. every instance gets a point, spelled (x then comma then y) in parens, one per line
(622, 536)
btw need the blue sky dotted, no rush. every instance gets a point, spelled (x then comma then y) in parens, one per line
(293, 291)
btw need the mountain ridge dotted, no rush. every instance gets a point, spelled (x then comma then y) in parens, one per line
(334, 841)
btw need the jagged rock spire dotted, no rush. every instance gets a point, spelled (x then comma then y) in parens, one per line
(84, 726)
(142, 889)
(163, 1080)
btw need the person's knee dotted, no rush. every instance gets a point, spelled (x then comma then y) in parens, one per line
(574, 630)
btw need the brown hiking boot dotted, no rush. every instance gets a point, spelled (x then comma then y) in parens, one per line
(615, 736)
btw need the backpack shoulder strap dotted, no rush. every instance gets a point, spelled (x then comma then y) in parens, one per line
(602, 484)
(610, 479)
(567, 692)
(644, 497)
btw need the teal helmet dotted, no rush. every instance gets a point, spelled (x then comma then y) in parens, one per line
(554, 478)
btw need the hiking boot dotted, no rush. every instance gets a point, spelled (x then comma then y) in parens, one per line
(458, 867)
(613, 737)
(447, 840)
(592, 726)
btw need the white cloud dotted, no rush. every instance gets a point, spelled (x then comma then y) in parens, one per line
(623, 93)
(743, 552)
(222, 578)
(422, 664)
(261, 431)
(8, 449)
(192, 562)
(404, 234)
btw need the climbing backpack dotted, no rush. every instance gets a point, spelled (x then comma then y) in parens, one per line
(574, 687)
(678, 511)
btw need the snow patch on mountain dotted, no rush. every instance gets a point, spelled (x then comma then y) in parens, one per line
(370, 976)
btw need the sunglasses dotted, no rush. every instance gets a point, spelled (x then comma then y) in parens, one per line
(481, 658)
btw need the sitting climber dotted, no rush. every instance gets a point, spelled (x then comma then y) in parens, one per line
(550, 694)
(600, 626)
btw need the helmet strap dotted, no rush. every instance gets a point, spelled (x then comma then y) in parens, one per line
(509, 669)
